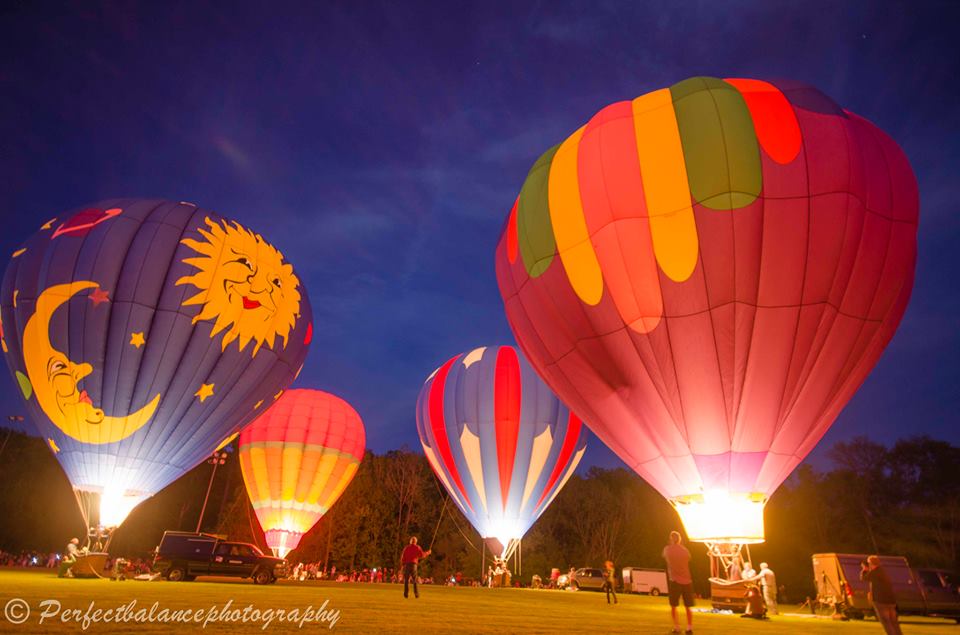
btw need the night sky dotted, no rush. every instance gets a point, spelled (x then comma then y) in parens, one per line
(381, 145)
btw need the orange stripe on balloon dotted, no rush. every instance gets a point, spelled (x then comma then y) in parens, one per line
(569, 226)
(513, 247)
(773, 118)
(665, 185)
(617, 218)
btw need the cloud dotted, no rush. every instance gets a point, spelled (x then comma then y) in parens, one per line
(233, 153)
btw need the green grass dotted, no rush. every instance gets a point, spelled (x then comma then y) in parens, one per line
(381, 608)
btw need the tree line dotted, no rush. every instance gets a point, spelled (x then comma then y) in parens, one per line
(899, 500)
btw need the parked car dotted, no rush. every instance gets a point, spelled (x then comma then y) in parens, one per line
(185, 555)
(588, 579)
(640, 580)
(922, 591)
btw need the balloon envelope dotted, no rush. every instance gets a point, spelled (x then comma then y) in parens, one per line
(297, 459)
(499, 440)
(143, 332)
(706, 274)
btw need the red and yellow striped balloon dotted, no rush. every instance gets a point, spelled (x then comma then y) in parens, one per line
(297, 459)
(706, 274)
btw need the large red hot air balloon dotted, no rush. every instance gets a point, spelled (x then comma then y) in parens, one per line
(297, 459)
(706, 274)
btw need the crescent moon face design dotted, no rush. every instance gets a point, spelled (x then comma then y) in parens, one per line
(55, 378)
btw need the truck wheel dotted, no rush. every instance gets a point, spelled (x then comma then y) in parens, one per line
(177, 574)
(262, 576)
(654, 591)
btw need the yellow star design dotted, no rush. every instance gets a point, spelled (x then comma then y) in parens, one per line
(53, 445)
(205, 391)
(18, 252)
(137, 339)
(48, 224)
(277, 396)
(15, 294)
(258, 404)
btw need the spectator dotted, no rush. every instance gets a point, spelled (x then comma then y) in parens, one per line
(881, 594)
(679, 580)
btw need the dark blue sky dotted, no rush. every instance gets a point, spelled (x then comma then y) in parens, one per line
(381, 144)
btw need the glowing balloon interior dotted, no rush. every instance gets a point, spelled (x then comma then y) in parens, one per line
(297, 459)
(498, 439)
(127, 327)
(706, 274)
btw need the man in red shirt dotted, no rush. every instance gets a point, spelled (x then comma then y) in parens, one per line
(679, 580)
(410, 558)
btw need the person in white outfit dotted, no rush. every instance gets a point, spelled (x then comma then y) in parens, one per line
(768, 582)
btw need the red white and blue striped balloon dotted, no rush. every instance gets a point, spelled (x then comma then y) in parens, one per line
(499, 440)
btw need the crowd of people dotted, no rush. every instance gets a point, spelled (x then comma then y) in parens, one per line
(303, 571)
(51, 560)
(29, 559)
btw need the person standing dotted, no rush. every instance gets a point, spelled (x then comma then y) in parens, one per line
(679, 580)
(733, 571)
(410, 558)
(748, 572)
(881, 594)
(768, 582)
(610, 581)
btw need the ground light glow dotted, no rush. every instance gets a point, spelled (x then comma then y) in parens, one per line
(722, 517)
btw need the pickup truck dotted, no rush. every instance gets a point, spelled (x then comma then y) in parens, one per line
(185, 555)
(919, 591)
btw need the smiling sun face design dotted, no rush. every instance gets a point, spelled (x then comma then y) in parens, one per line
(244, 285)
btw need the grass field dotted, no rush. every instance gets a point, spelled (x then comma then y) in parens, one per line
(381, 608)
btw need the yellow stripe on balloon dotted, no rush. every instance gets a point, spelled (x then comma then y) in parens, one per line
(308, 465)
(471, 452)
(291, 471)
(324, 469)
(538, 458)
(569, 225)
(665, 185)
(260, 477)
(348, 473)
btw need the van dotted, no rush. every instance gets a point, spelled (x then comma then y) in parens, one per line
(640, 580)
(919, 592)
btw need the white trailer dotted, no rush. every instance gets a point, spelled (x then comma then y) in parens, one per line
(640, 580)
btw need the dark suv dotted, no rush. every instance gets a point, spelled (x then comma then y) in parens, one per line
(186, 555)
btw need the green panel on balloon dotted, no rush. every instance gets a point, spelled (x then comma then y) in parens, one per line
(719, 143)
(25, 386)
(535, 231)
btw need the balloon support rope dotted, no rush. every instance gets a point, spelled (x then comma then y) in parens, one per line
(439, 520)
(436, 484)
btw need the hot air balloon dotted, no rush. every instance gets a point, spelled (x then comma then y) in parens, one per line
(501, 443)
(297, 459)
(141, 333)
(706, 274)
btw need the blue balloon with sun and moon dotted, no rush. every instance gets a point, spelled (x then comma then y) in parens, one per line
(142, 333)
